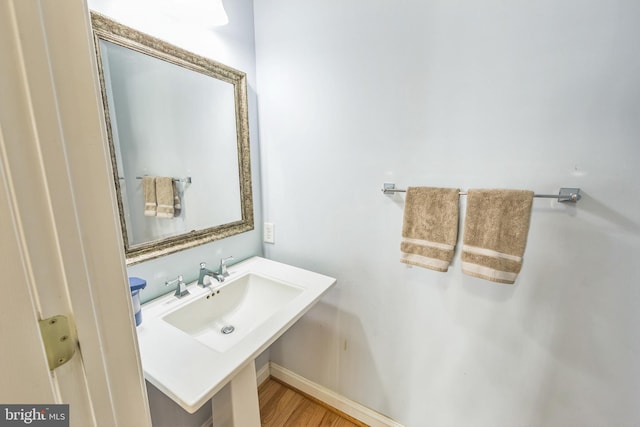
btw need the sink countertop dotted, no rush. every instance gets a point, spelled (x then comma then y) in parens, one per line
(189, 372)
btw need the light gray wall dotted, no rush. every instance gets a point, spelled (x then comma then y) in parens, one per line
(520, 94)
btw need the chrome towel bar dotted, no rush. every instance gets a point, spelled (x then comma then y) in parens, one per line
(186, 180)
(564, 195)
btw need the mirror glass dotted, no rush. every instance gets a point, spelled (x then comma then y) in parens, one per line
(178, 134)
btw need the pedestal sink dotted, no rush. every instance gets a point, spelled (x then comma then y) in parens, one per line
(224, 317)
(193, 346)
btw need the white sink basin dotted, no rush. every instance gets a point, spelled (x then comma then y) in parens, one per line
(183, 350)
(222, 319)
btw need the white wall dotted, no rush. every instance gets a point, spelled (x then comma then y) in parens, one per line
(533, 95)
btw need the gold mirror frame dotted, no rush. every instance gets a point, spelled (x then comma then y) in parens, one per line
(114, 32)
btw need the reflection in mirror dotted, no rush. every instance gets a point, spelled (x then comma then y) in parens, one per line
(180, 118)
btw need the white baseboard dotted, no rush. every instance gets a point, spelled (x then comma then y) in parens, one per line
(323, 394)
(263, 373)
(331, 398)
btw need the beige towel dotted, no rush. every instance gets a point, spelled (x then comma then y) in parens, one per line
(495, 233)
(149, 194)
(177, 204)
(164, 196)
(430, 227)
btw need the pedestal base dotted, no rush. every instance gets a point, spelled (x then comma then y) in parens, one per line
(236, 405)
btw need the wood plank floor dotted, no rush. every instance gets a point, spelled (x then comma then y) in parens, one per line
(281, 406)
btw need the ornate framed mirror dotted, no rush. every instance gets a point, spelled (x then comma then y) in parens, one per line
(178, 131)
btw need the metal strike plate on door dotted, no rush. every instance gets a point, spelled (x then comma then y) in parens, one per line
(59, 339)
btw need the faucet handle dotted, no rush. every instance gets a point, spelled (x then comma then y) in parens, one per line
(203, 265)
(181, 289)
(223, 266)
(176, 280)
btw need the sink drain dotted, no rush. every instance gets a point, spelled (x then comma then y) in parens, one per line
(227, 329)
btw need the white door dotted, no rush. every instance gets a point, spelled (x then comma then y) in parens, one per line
(60, 244)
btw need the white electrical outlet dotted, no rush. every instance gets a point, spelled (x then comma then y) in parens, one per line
(269, 232)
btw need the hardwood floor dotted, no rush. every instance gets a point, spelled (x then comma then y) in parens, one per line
(281, 405)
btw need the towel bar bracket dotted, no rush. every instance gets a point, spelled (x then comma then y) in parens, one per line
(571, 195)
(389, 188)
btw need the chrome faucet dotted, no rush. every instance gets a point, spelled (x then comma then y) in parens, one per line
(218, 275)
(181, 289)
(204, 272)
